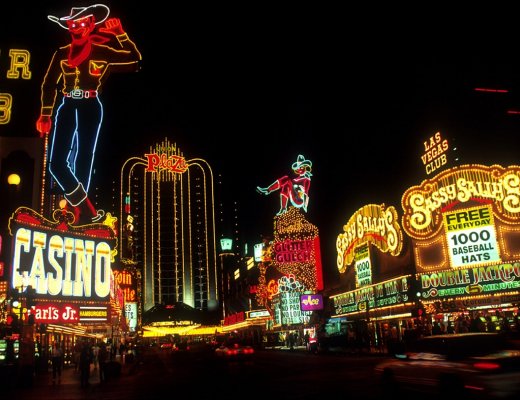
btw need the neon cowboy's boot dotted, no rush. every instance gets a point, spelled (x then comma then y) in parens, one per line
(77, 196)
(84, 210)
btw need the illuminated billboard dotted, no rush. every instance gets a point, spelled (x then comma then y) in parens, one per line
(296, 249)
(371, 224)
(465, 216)
(311, 302)
(61, 261)
(470, 281)
(471, 237)
(394, 292)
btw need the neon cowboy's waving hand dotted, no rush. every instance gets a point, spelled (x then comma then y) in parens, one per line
(78, 70)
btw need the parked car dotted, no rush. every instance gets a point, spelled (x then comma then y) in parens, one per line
(486, 365)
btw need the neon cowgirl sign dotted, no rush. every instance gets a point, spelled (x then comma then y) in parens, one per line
(295, 190)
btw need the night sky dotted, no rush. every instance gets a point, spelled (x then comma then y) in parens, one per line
(250, 89)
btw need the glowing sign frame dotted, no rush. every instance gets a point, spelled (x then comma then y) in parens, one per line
(372, 223)
(85, 275)
(424, 204)
(471, 239)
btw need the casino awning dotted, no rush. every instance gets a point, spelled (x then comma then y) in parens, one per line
(177, 314)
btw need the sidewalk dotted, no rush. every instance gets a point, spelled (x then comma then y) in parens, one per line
(68, 387)
(68, 377)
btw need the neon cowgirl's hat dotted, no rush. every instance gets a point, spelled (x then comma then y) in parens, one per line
(301, 161)
(100, 13)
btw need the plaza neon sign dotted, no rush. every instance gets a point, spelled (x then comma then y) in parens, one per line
(172, 163)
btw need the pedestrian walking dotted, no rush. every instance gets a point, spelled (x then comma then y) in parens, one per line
(85, 359)
(57, 361)
(102, 360)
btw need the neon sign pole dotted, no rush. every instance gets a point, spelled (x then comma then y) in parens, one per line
(81, 67)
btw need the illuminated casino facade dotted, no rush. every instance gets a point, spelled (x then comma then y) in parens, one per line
(453, 255)
(168, 228)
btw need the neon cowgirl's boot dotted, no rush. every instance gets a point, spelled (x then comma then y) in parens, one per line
(279, 183)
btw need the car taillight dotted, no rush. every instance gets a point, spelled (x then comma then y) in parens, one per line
(486, 366)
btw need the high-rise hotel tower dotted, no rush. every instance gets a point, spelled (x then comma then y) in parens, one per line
(168, 227)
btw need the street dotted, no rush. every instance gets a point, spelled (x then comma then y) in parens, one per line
(271, 373)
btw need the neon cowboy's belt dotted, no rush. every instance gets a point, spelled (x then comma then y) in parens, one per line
(81, 94)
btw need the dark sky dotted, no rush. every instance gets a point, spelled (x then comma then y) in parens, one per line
(249, 89)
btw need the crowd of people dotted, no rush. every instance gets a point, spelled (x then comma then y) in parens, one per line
(85, 355)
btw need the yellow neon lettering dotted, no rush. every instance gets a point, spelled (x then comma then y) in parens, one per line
(19, 62)
(6, 102)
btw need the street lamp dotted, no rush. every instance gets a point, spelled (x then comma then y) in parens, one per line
(13, 180)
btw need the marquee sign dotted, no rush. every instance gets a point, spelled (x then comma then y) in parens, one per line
(293, 251)
(374, 224)
(127, 282)
(296, 249)
(363, 266)
(388, 293)
(424, 205)
(55, 313)
(61, 261)
(311, 302)
(471, 237)
(470, 281)
(63, 313)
